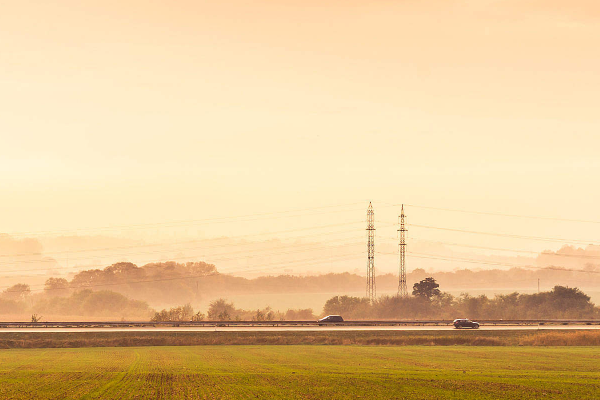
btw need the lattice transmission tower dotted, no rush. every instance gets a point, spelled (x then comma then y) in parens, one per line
(402, 291)
(370, 253)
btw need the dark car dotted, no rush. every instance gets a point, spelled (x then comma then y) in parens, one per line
(465, 323)
(331, 318)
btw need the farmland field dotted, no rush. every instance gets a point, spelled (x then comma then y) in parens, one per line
(317, 372)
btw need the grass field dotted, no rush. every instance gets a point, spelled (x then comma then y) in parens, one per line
(307, 372)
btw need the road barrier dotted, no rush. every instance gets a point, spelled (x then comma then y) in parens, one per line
(136, 324)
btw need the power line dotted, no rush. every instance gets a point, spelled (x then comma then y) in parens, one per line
(540, 238)
(191, 221)
(191, 241)
(502, 214)
(180, 243)
(480, 262)
(211, 258)
(208, 258)
(539, 253)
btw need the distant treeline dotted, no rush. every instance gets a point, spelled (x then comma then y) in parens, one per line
(17, 300)
(171, 283)
(559, 303)
(128, 291)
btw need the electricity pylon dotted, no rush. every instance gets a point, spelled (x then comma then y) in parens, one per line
(402, 291)
(370, 254)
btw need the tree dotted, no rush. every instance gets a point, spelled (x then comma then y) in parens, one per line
(56, 287)
(259, 316)
(224, 316)
(199, 316)
(570, 302)
(475, 307)
(17, 292)
(187, 312)
(348, 306)
(182, 313)
(426, 288)
(300, 315)
(221, 310)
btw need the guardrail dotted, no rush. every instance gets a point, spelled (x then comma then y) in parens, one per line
(136, 324)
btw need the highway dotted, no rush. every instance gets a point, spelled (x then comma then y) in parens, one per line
(291, 328)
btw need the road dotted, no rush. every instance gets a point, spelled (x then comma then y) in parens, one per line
(297, 328)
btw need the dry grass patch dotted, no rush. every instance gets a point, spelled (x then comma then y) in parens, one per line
(369, 338)
(579, 338)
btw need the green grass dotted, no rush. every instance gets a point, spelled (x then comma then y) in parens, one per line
(302, 372)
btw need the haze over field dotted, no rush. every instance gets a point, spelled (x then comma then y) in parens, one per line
(252, 136)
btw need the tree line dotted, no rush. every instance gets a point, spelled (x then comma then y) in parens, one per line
(172, 283)
(127, 290)
(428, 302)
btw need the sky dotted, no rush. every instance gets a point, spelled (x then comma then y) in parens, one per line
(121, 113)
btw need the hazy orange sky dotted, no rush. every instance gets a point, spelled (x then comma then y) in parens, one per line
(129, 112)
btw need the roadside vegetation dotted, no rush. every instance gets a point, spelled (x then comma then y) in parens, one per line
(222, 310)
(428, 302)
